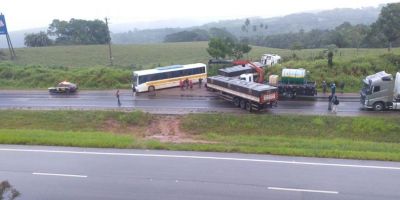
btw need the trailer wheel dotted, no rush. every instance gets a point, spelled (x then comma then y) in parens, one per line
(378, 106)
(242, 104)
(248, 106)
(236, 101)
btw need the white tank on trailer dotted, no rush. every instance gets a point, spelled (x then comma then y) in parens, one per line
(296, 76)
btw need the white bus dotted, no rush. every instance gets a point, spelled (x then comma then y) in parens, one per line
(169, 76)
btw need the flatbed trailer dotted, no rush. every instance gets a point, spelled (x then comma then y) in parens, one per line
(246, 95)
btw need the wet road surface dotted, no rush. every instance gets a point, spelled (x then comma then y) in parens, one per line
(88, 173)
(168, 102)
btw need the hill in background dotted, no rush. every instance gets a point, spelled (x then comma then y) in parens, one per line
(131, 34)
(322, 20)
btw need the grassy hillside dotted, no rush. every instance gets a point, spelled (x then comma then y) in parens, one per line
(87, 65)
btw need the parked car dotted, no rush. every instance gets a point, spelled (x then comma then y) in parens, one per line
(64, 87)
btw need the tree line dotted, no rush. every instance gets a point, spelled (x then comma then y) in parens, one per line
(385, 32)
(74, 31)
(199, 35)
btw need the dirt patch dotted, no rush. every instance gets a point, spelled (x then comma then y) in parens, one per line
(164, 128)
(167, 129)
(114, 126)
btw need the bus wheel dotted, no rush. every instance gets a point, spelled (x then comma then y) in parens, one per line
(242, 104)
(236, 101)
(248, 106)
(152, 89)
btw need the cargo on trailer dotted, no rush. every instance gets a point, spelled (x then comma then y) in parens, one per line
(247, 95)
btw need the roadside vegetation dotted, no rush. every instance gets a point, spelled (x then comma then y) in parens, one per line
(87, 65)
(315, 136)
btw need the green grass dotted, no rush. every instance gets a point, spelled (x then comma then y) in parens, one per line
(66, 138)
(86, 121)
(88, 65)
(72, 128)
(316, 136)
(375, 138)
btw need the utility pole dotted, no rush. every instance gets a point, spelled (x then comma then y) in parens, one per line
(109, 43)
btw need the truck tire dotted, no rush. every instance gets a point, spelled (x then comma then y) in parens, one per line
(236, 101)
(378, 106)
(242, 104)
(248, 106)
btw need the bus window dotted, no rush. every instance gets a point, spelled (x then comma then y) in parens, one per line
(143, 79)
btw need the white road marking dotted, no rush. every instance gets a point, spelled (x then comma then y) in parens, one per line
(64, 175)
(303, 190)
(203, 157)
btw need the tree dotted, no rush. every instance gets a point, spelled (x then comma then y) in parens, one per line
(217, 48)
(37, 40)
(247, 22)
(389, 22)
(240, 49)
(223, 47)
(78, 31)
(8, 191)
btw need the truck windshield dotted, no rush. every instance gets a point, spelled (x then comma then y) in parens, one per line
(366, 89)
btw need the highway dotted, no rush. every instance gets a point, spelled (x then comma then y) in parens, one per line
(168, 102)
(62, 173)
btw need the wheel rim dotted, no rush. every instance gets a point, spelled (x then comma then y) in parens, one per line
(378, 107)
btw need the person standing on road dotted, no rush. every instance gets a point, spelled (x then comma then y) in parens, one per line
(200, 81)
(117, 95)
(333, 89)
(181, 84)
(324, 87)
(187, 83)
(335, 103)
(191, 84)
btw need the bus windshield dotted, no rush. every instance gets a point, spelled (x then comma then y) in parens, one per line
(135, 80)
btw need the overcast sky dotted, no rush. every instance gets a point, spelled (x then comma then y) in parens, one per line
(25, 14)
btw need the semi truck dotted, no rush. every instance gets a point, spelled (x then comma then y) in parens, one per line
(292, 83)
(251, 96)
(381, 92)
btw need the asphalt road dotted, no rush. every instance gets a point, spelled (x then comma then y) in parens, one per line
(168, 104)
(80, 173)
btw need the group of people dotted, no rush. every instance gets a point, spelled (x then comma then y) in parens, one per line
(188, 83)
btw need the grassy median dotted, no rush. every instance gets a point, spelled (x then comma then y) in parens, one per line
(375, 138)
